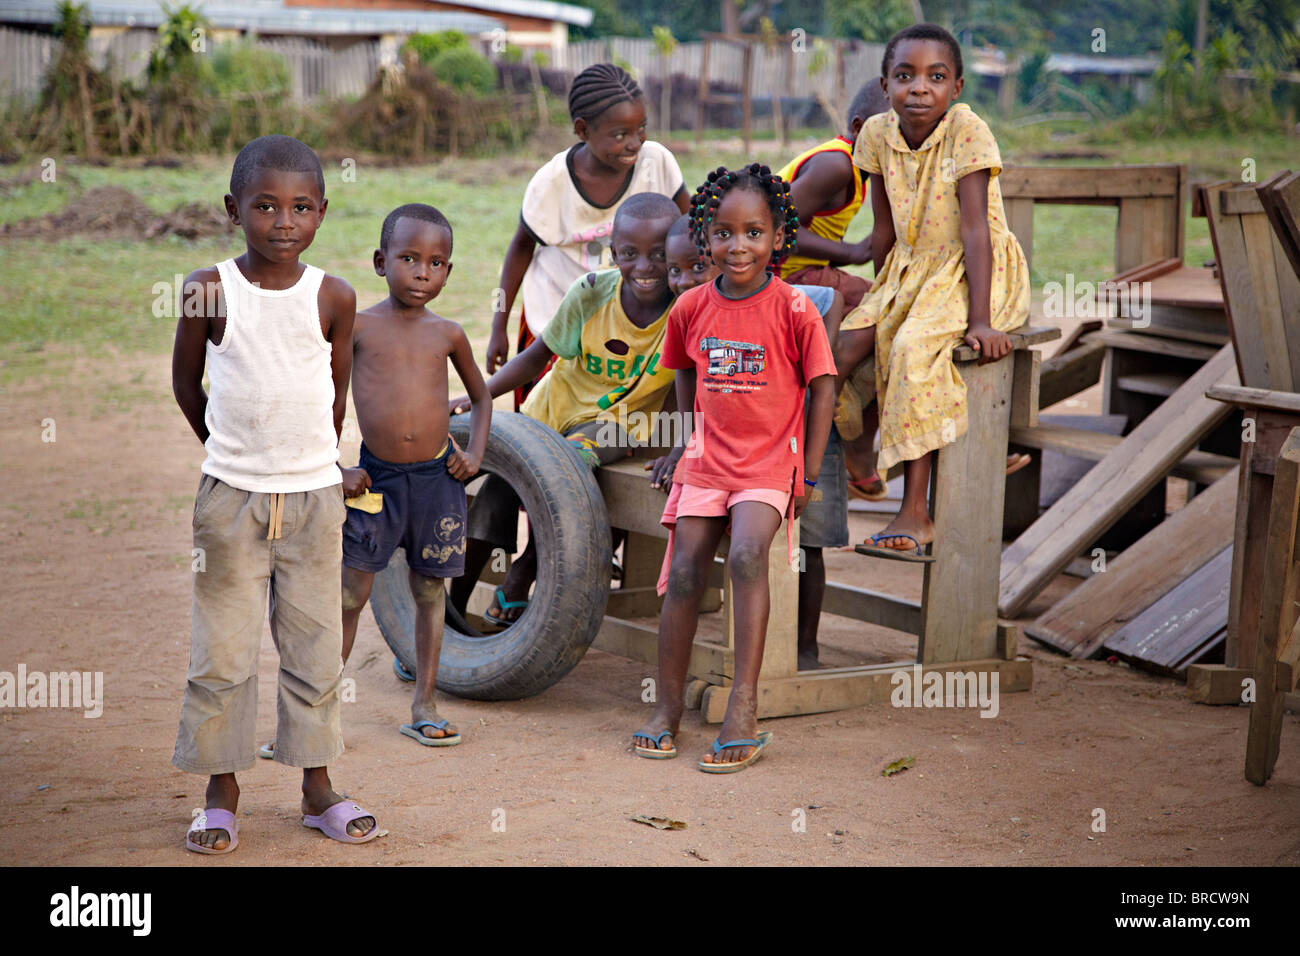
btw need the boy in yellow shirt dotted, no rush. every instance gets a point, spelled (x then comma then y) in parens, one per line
(606, 336)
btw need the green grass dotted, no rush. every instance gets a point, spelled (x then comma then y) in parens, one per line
(82, 294)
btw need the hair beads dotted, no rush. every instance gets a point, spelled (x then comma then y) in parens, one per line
(755, 177)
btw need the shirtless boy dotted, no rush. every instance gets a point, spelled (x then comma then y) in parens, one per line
(399, 386)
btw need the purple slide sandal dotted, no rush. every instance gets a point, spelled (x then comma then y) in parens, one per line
(213, 819)
(334, 822)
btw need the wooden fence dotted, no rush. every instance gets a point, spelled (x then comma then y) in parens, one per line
(316, 71)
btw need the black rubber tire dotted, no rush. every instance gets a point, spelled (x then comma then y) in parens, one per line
(568, 519)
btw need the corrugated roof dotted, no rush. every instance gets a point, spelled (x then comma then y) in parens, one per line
(543, 9)
(263, 16)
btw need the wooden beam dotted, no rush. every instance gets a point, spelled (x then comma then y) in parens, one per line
(1108, 183)
(711, 662)
(1069, 373)
(816, 692)
(1024, 388)
(1202, 467)
(1263, 398)
(1135, 342)
(959, 588)
(1217, 684)
(1277, 613)
(1113, 486)
(885, 610)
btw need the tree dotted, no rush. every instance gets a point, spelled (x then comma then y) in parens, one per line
(665, 44)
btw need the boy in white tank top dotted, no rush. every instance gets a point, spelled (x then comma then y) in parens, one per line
(276, 338)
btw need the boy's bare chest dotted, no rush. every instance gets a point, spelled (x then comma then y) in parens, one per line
(401, 352)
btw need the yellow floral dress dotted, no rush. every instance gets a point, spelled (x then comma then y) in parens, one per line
(920, 304)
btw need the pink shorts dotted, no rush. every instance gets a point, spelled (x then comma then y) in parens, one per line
(692, 501)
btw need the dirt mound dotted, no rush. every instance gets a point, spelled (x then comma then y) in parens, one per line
(110, 212)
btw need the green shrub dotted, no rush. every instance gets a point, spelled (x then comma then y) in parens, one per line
(241, 68)
(427, 46)
(464, 70)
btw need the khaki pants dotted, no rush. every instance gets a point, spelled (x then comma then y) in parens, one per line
(299, 569)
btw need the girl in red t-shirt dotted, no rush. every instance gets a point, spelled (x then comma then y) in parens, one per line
(746, 347)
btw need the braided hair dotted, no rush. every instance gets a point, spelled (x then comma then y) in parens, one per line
(756, 178)
(599, 87)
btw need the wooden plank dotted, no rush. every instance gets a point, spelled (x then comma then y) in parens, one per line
(1202, 467)
(816, 692)
(1020, 220)
(711, 662)
(1128, 234)
(1217, 684)
(1194, 287)
(1135, 342)
(1277, 613)
(1263, 398)
(1147, 271)
(1280, 197)
(1240, 296)
(959, 588)
(1159, 229)
(1181, 621)
(1240, 201)
(1114, 485)
(1191, 325)
(861, 604)
(1266, 322)
(1288, 291)
(1069, 373)
(631, 502)
(1075, 335)
(1162, 384)
(1058, 183)
(1026, 366)
(1081, 622)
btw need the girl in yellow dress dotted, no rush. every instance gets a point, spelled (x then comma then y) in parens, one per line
(948, 269)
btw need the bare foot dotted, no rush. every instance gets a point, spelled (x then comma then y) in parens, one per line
(222, 794)
(922, 529)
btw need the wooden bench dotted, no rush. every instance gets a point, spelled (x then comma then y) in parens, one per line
(955, 621)
(1253, 230)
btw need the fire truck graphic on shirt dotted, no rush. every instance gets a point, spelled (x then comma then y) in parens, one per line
(728, 357)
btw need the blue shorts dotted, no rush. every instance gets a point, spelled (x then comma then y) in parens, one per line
(423, 513)
(825, 523)
(821, 296)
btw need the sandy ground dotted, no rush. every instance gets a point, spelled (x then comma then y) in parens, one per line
(96, 558)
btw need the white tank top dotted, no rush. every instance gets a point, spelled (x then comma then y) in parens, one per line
(270, 410)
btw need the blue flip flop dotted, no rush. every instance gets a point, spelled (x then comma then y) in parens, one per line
(401, 672)
(501, 604)
(876, 550)
(764, 738)
(654, 753)
(414, 731)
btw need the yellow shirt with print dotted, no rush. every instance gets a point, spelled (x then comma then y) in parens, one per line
(607, 369)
